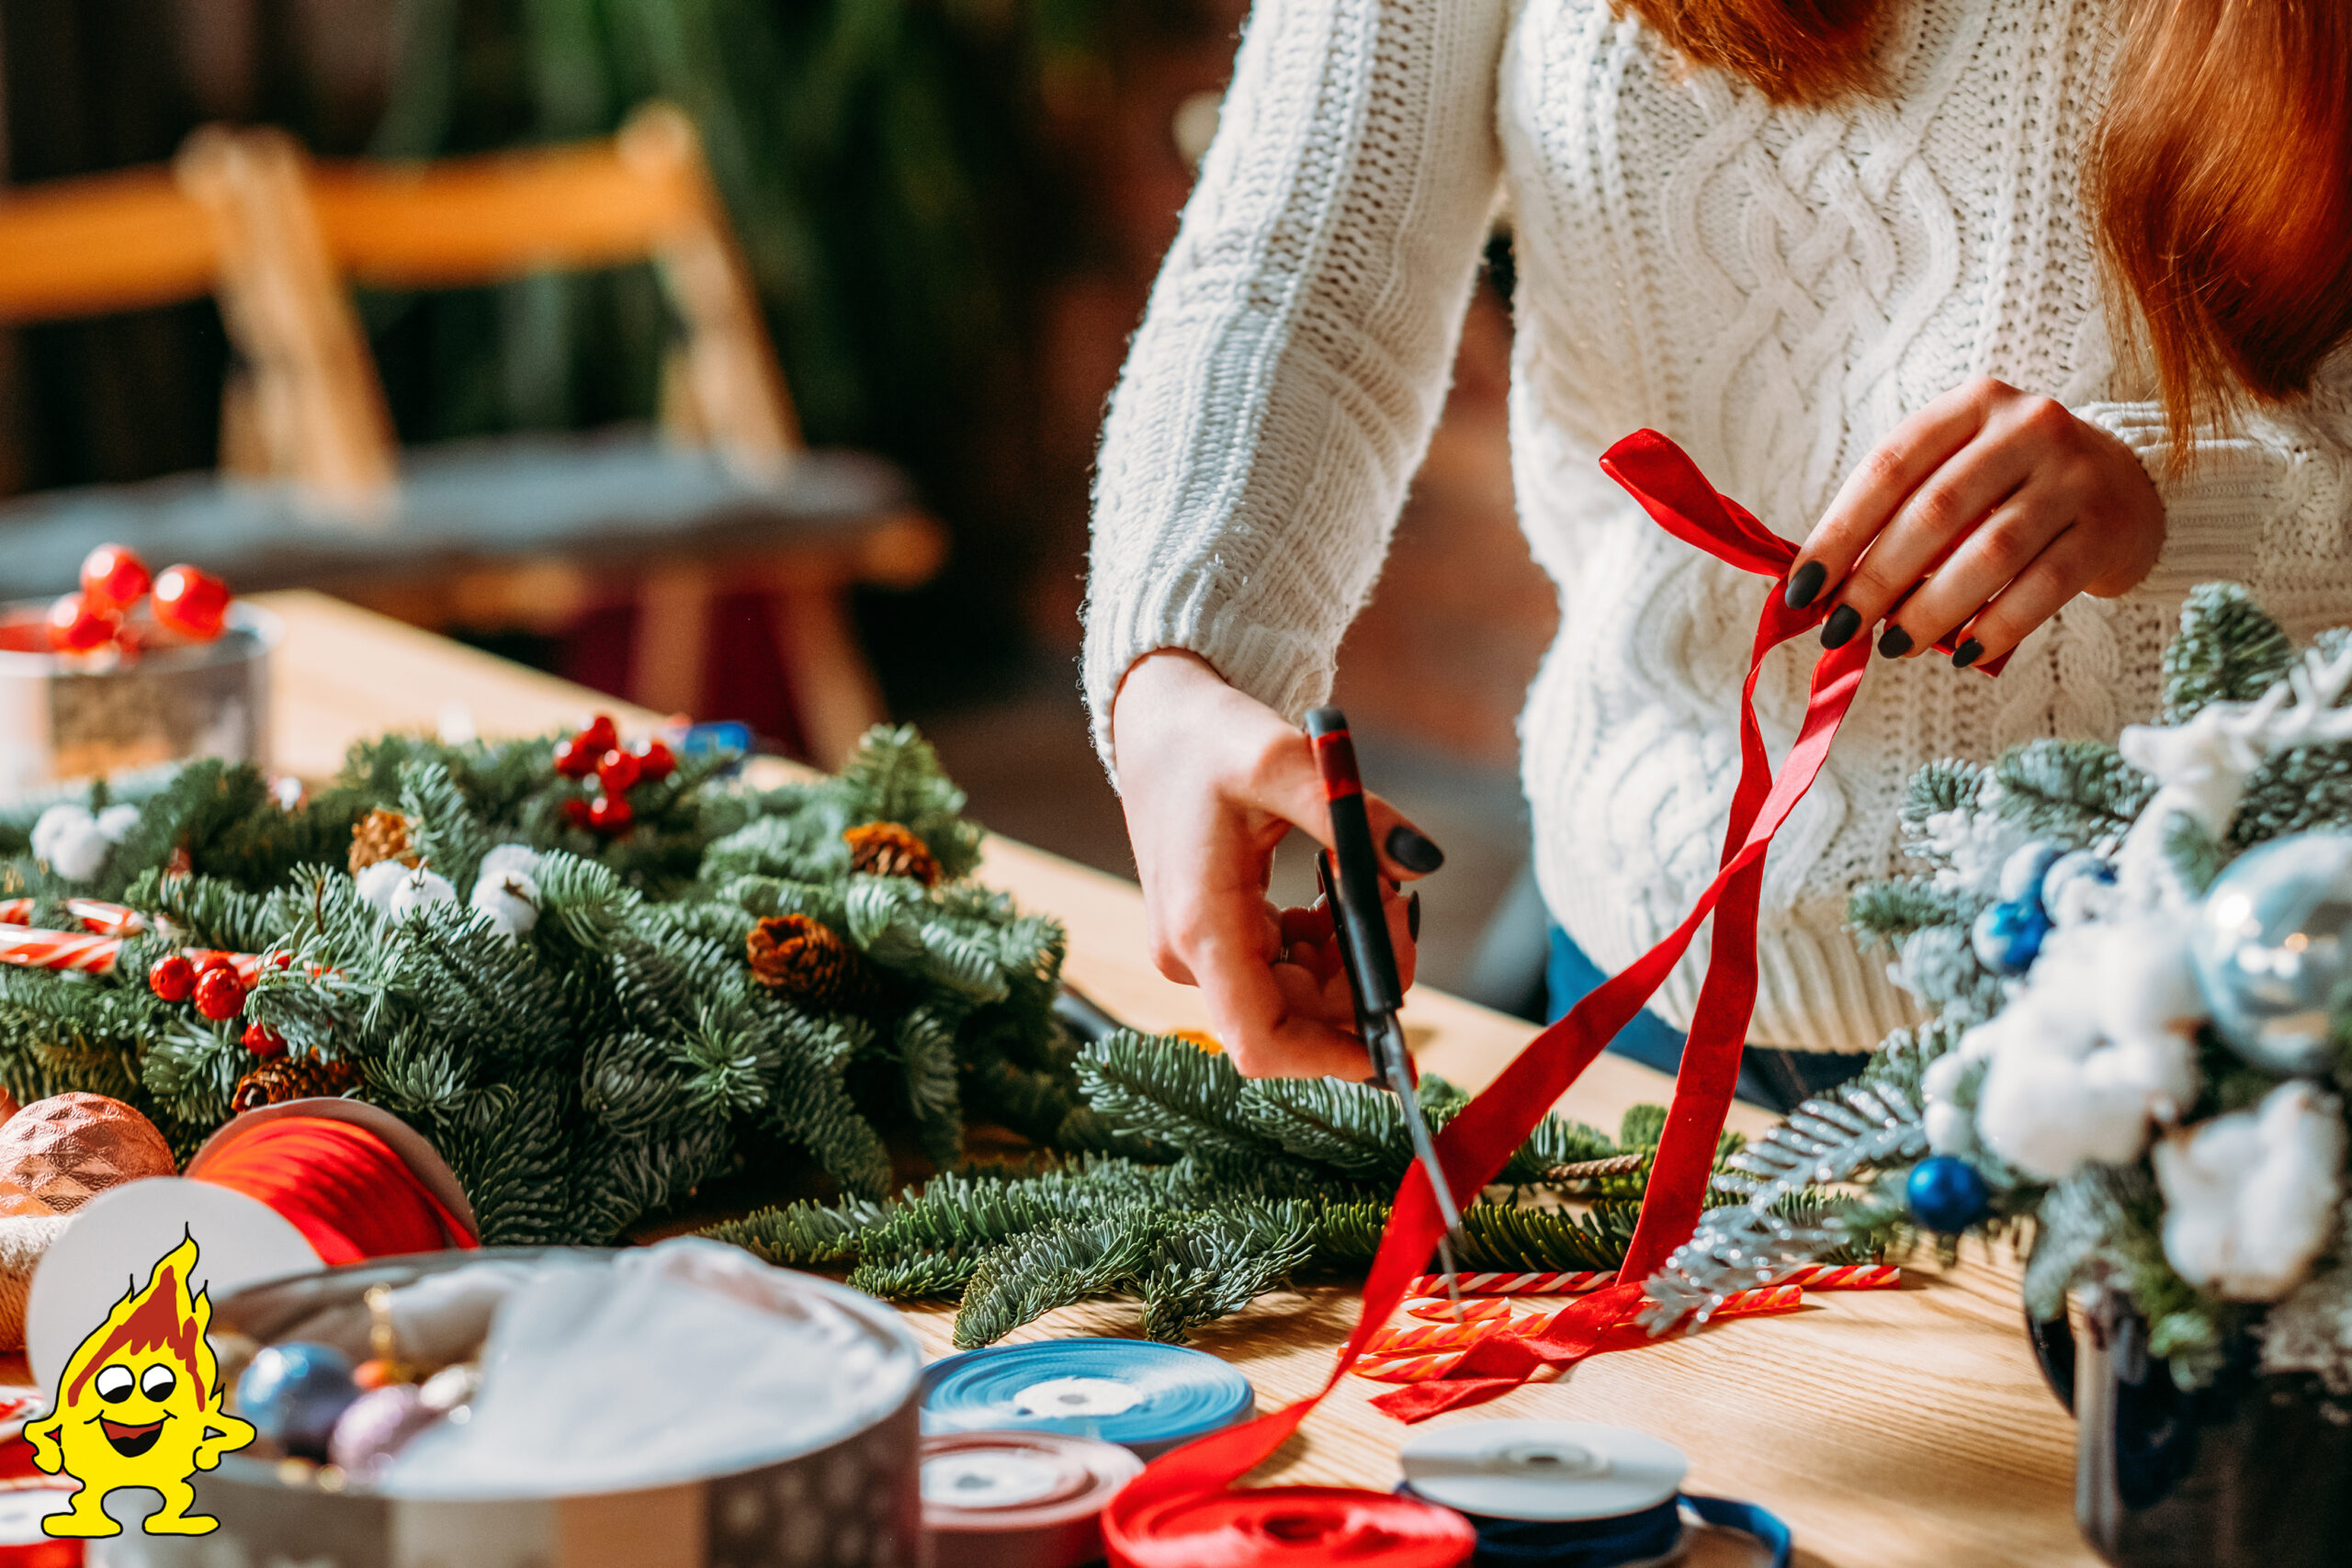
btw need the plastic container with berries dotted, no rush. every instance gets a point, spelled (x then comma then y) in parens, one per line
(131, 670)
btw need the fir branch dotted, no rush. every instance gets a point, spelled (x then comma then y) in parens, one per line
(2229, 650)
(2075, 792)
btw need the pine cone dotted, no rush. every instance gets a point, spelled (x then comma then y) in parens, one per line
(884, 849)
(807, 961)
(380, 836)
(286, 1077)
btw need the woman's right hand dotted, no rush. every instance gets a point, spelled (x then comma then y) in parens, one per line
(1212, 781)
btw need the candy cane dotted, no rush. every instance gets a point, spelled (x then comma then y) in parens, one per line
(1515, 1284)
(89, 953)
(106, 919)
(30, 949)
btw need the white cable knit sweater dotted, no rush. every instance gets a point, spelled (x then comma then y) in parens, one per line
(1774, 289)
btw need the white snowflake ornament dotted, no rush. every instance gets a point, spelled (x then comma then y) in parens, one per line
(2250, 1197)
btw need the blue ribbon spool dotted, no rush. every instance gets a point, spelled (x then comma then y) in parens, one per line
(1146, 1397)
(1562, 1494)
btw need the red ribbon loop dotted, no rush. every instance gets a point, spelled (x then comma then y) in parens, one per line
(1474, 1145)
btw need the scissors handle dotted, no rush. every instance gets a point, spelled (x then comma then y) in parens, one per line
(1354, 886)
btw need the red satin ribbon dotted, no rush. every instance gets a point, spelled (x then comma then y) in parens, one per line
(344, 1188)
(1474, 1145)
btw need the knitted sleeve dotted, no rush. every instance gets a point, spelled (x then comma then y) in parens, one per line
(1296, 351)
(2269, 504)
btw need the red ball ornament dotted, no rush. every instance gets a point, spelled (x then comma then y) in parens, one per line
(263, 1041)
(577, 813)
(219, 995)
(172, 977)
(617, 770)
(77, 625)
(575, 758)
(599, 735)
(192, 602)
(114, 578)
(610, 814)
(655, 760)
(212, 961)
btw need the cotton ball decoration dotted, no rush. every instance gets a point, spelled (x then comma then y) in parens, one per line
(2096, 1045)
(2271, 943)
(377, 883)
(70, 840)
(416, 890)
(1948, 1116)
(58, 1153)
(508, 858)
(2022, 872)
(509, 900)
(117, 821)
(2250, 1197)
(2078, 886)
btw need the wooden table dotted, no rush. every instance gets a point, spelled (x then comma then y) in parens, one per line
(1886, 1427)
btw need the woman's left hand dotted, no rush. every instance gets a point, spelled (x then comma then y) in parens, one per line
(1998, 507)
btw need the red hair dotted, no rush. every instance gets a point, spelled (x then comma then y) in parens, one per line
(2220, 176)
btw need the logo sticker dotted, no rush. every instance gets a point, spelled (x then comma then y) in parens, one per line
(139, 1406)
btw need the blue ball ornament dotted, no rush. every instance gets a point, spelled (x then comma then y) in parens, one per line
(1947, 1194)
(294, 1392)
(2007, 937)
(2271, 944)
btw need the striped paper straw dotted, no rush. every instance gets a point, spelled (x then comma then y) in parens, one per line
(1515, 1284)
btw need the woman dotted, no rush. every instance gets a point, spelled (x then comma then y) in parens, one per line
(2025, 309)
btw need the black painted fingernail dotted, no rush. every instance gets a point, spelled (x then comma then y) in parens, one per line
(1894, 643)
(1413, 916)
(1967, 653)
(1804, 584)
(1839, 628)
(1409, 849)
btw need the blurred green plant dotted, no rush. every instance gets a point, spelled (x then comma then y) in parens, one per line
(881, 159)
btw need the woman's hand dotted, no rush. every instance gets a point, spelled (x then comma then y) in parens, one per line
(1212, 781)
(1999, 507)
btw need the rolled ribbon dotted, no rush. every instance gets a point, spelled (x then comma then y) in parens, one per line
(1565, 1495)
(1019, 1499)
(1474, 1146)
(1146, 1397)
(341, 1185)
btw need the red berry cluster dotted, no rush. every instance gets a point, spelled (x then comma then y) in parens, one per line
(596, 752)
(187, 602)
(217, 991)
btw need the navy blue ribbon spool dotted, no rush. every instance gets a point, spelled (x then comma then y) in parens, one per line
(1641, 1537)
(1145, 1397)
(1568, 1494)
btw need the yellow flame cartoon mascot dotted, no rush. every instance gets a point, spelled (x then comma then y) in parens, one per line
(139, 1405)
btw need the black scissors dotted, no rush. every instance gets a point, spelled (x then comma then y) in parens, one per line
(1350, 877)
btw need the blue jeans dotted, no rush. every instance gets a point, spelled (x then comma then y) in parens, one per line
(1775, 1080)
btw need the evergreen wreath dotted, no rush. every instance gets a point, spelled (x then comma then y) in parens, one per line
(586, 1040)
(2087, 1079)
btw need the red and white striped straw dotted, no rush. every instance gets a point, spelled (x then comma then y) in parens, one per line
(1417, 1354)
(1515, 1284)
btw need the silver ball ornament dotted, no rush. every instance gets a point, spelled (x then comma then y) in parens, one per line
(2271, 943)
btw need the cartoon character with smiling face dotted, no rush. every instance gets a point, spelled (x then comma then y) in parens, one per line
(139, 1405)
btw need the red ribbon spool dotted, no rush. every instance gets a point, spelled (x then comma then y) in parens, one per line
(1290, 1527)
(1179, 1513)
(347, 1189)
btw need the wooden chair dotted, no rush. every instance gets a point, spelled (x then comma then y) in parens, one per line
(517, 531)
